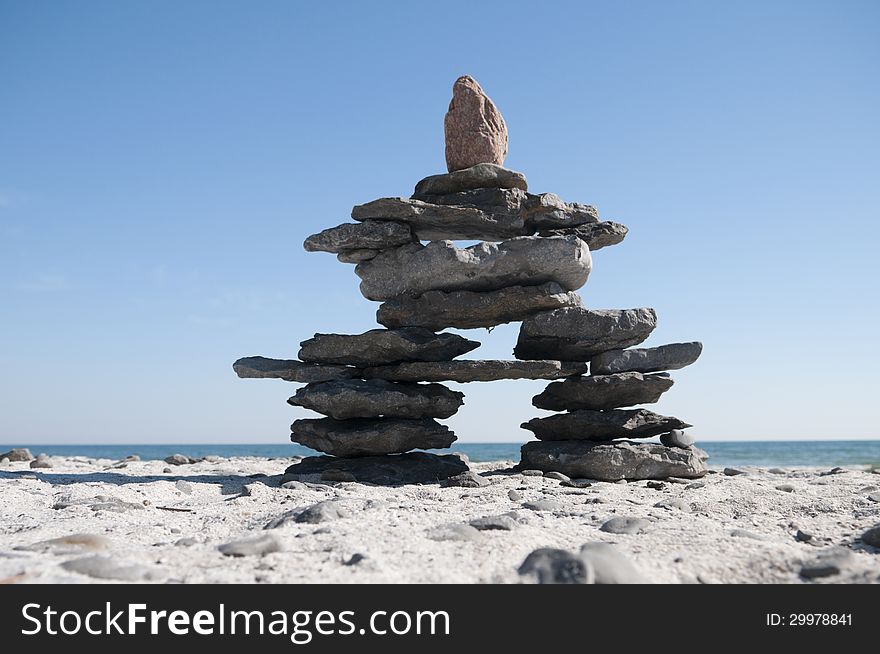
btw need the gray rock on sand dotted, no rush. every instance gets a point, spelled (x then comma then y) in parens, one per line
(184, 486)
(829, 563)
(514, 495)
(602, 391)
(455, 532)
(379, 347)
(367, 235)
(494, 523)
(625, 525)
(469, 479)
(545, 504)
(480, 176)
(674, 503)
(464, 371)
(361, 437)
(548, 565)
(651, 359)
(180, 460)
(440, 266)
(393, 470)
(677, 438)
(596, 235)
(71, 542)
(358, 398)
(475, 130)
(105, 567)
(610, 566)
(733, 472)
(872, 536)
(585, 424)
(42, 461)
(18, 454)
(251, 546)
(436, 310)
(613, 461)
(326, 511)
(558, 476)
(576, 334)
(290, 370)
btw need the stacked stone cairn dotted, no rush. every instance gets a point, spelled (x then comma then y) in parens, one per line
(380, 391)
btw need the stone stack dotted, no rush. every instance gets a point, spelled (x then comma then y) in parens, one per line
(379, 391)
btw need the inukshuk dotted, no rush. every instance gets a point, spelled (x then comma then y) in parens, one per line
(379, 391)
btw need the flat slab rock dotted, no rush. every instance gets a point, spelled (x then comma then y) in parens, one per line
(415, 269)
(614, 461)
(369, 235)
(602, 425)
(603, 391)
(595, 235)
(290, 370)
(577, 334)
(464, 371)
(391, 470)
(651, 359)
(359, 398)
(436, 310)
(379, 347)
(483, 175)
(369, 437)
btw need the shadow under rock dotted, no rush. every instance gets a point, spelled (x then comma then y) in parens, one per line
(229, 484)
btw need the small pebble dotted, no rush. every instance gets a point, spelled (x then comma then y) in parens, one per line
(514, 496)
(656, 485)
(556, 475)
(532, 473)
(554, 566)
(184, 486)
(786, 488)
(803, 536)
(625, 525)
(731, 472)
(253, 546)
(543, 505)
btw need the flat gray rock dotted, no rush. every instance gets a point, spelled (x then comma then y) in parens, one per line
(436, 310)
(17, 454)
(494, 523)
(372, 398)
(610, 566)
(650, 359)
(595, 235)
(379, 347)
(180, 460)
(674, 503)
(585, 424)
(368, 235)
(105, 567)
(545, 504)
(602, 391)
(415, 269)
(252, 546)
(183, 486)
(464, 371)
(484, 175)
(469, 479)
(370, 437)
(290, 370)
(829, 563)
(625, 525)
(872, 536)
(577, 334)
(455, 532)
(554, 566)
(42, 461)
(325, 511)
(356, 256)
(493, 200)
(613, 461)
(677, 438)
(71, 542)
(391, 470)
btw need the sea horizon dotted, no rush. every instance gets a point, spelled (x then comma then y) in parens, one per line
(862, 453)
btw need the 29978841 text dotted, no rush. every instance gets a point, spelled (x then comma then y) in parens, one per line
(809, 620)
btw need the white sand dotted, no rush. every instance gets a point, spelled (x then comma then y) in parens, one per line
(389, 526)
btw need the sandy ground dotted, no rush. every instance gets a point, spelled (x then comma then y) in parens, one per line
(699, 541)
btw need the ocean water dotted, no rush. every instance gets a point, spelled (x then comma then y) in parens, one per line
(864, 453)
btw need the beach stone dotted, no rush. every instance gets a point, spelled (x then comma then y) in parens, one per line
(490, 200)
(803, 536)
(107, 503)
(532, 473)
(167, 470)
(674, 503)
(625, 525)
(543, 505)
(596, 235)
(610, 566)
(837, 470)
(656, 485)
(872, 536)
(391, 470)
(554, 566)
(577, 334)
(294, 485)
(415, 269)
(17, 454)
(70, 542)
(479, 176)
(577, 483)
(454, 532)
(652, 359)
(695, 485)
(357, 398)
(104, 567)
(777, 471)
(367, 235)
(556, 475)
(732, 472)
(325, 511)
(436, 310)
(547, 211)
(251, 546)
(874, 497)
(827, 564)
(584, 424)
(677, 438)
(184, 486)
(786, 488)
(180, 460)
(614, 461)
(379, 347)
(290, 370)
(185, 542)
(494, 522)
(468, 479)
(42, 461)
(474, 128)
(602, 391)
(369, 437)
(745, 533)
(514, 495)
(464, 371)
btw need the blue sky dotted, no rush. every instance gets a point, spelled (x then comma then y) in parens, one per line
(162, 162)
